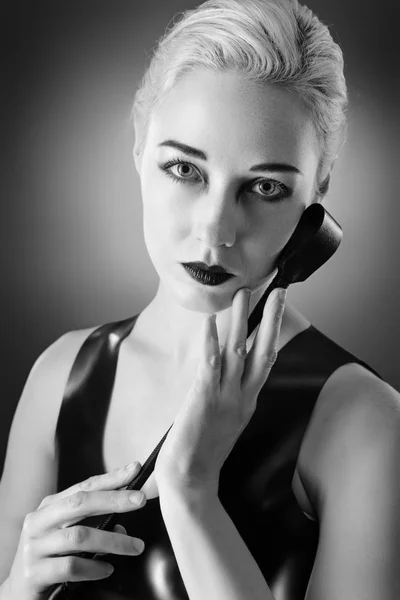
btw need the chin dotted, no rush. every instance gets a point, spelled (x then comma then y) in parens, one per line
(203, 300)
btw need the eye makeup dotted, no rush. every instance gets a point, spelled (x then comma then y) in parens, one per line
(281, 191)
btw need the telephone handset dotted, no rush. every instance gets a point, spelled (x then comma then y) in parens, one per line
(315, 239)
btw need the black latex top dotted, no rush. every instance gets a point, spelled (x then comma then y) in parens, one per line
(255, 481)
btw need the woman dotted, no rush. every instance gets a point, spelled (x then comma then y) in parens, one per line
(278, 478)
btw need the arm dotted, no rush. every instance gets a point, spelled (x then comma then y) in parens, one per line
(30, 467)
(28, 452)
(213, 559)
(359, 505)
(359, 498)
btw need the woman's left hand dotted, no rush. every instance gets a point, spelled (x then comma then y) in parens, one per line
(222, 398)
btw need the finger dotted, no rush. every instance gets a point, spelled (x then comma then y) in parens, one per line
(80, 538)
(69, 568)
(118, 529)
(206, 384)
(264, 351)
(64, 512)
(234, 354)
(209, 370)
(111, 480)
(117, 479)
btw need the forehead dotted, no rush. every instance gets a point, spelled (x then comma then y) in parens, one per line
(233, 118)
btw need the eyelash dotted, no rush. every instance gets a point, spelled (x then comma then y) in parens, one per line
(177, 161)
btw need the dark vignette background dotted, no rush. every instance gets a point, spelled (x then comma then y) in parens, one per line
(72, 249)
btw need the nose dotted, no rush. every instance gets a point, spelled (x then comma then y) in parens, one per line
(217, 218)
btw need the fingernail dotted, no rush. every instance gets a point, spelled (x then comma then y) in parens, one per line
(137, 498)
(132, 466)
(138, 544)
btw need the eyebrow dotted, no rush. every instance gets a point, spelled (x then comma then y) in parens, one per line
(283, 167)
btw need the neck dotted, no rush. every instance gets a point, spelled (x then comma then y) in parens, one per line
(173, 333)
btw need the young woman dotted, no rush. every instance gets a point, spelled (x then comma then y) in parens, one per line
(279, 478)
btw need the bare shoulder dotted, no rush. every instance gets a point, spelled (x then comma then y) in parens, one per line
(51, 372)
(353, 408)
(30, 447)
(49, 375)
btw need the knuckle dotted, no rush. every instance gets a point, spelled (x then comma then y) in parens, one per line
(270, 358)
(76, 535)
(113, 499)
(47, 500)
(240, 349)
(69, 566)
(77, 499)
(26, 549)
(89, 484)
(215, 361)
(27, 524)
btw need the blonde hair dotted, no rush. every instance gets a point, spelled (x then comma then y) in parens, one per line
(274, 41)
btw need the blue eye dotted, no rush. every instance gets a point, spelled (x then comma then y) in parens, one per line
(187, 173)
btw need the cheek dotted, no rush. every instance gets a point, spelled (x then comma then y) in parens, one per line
(164, 204)
(163, 222)
(264, 246)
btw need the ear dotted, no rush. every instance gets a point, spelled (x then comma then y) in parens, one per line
(324, 185)
(321, 187)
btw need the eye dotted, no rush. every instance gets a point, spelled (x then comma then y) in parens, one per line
(181, 171)
(271, 189)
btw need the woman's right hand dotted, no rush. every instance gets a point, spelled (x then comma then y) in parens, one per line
(50, 540)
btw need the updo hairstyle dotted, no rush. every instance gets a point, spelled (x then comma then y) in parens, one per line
(274, 41)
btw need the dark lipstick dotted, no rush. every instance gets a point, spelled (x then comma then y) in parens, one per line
(213, 275)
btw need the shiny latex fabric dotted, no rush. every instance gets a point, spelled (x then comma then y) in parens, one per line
(255, 480)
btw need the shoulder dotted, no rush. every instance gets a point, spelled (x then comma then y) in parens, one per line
(352, 481)
(46, 381)
(30, 447)
(53, 366)
(57, 358)
(354, 410)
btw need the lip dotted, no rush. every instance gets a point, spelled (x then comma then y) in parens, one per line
(206, 278)
(208, 269)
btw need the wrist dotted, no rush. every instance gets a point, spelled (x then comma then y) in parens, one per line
(10, 591)
(188, 488)
(195, 497)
